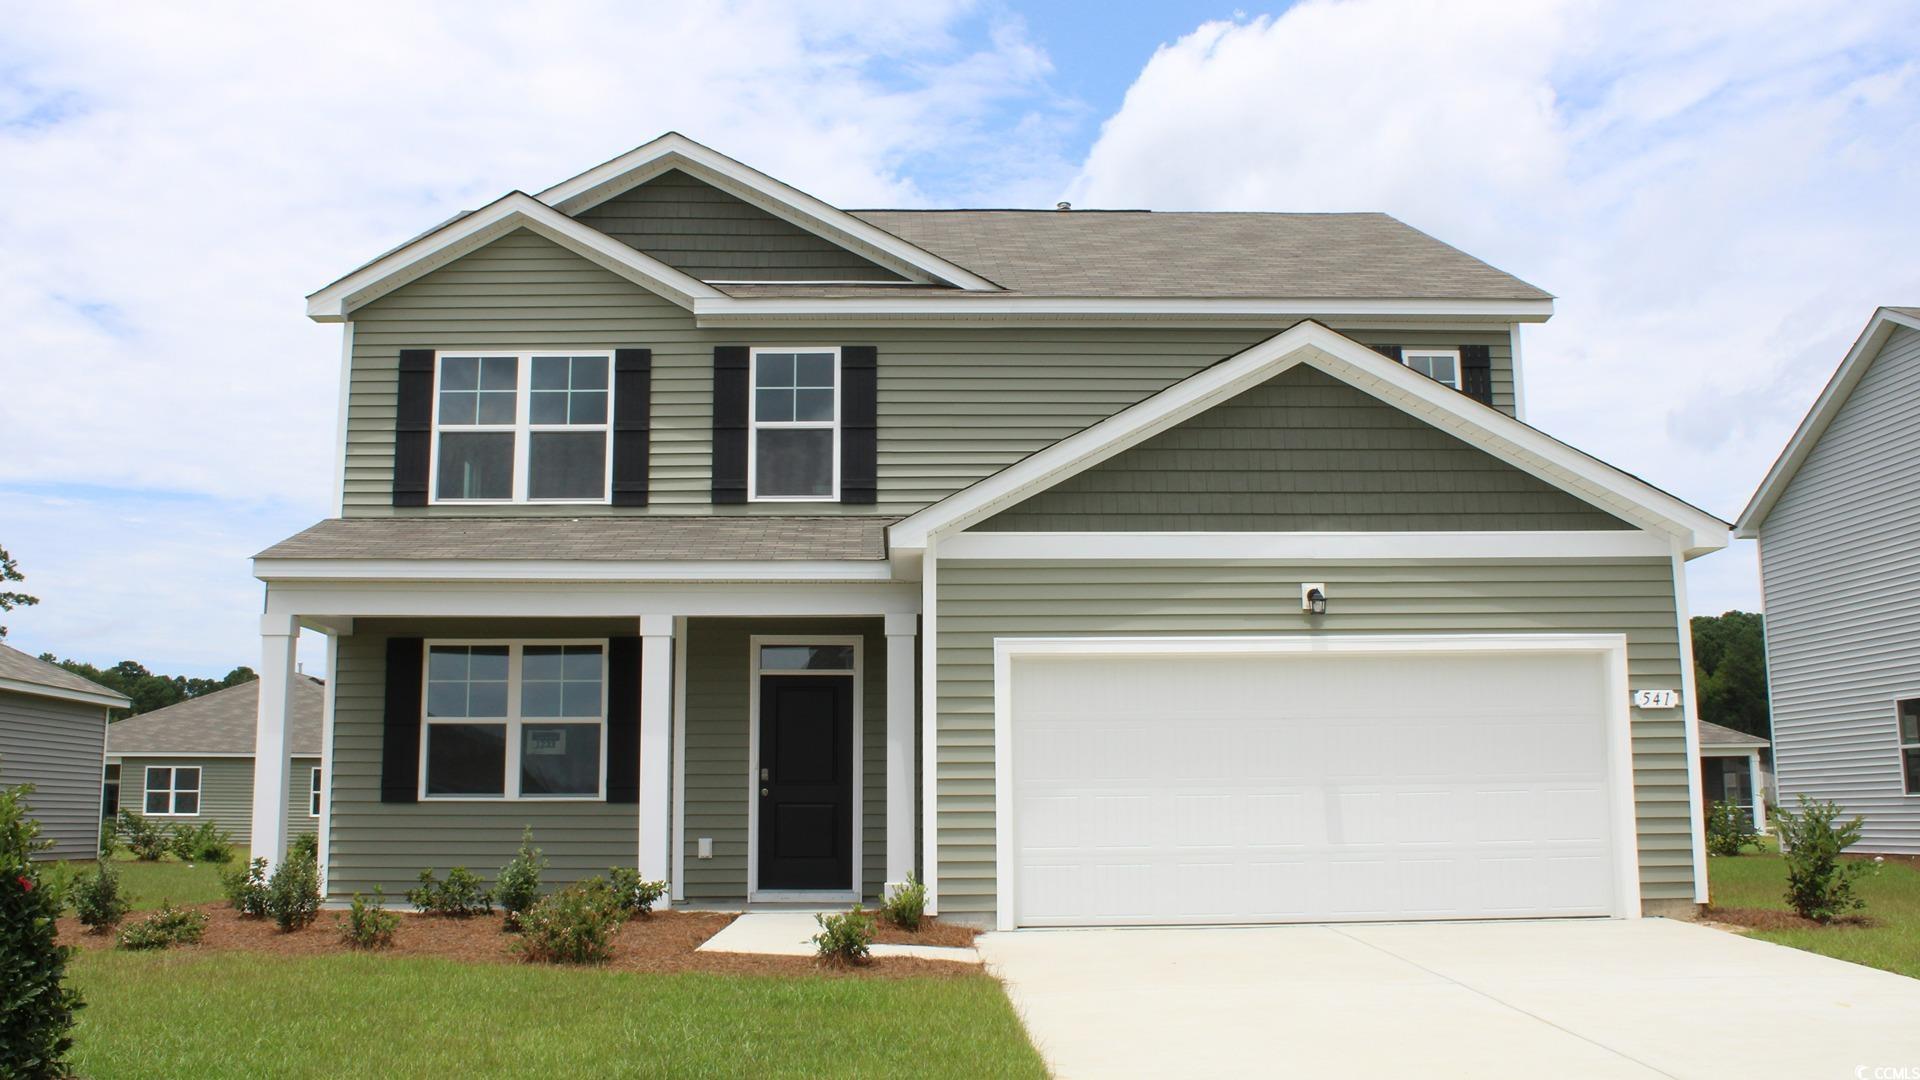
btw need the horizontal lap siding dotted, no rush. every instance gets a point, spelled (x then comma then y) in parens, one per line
(1841, 569)
(955, 405)
(58, 747)
(388, 844)
(980, 601)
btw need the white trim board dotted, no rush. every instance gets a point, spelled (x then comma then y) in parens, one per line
(569, 570)
(754, 674)
(1611, 648)
(327, 602)
(963, 309)
(1853, 367)
(1316, 546)
(1526, 448)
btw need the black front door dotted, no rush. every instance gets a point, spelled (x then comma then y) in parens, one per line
(806, 781)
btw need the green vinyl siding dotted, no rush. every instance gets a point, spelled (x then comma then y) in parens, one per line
(388, 844)
(226, 793)
(955, 405)
(57, 746)
(1303, 451)
(700, 230)
(718, 696)
(980, 601)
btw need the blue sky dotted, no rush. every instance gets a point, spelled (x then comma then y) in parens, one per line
(1718, 193)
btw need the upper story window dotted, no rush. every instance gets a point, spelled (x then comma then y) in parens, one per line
(1440, 365)
(1909, 711)
(794, 426)
(521, 427)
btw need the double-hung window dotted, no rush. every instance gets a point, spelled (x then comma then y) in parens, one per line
(1909, 712)
(313, 794)
(794, 426)
(512, 720)
(1440, 365)
(173, 790)
(522, 427)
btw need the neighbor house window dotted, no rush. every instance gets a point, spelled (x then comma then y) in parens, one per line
(313, 795)
(521, 427)
(173, 791)
(794, 421)
(1909, 711)
(1440, 365)
(110, 792)
(511, 720)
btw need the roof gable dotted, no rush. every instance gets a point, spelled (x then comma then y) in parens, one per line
(222, 722)
(25, 674)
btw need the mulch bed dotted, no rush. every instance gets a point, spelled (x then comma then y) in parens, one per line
(1768, 919)
(931, 932)
(663, 942)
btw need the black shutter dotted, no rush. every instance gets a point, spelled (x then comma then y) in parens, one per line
(730, 424)
(623, 720)
(859, 424)
(1391, 352)
(632, 404)
(1476, 373)
(400, 746)
(412, 427)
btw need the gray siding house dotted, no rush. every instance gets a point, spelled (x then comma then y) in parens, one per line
(53, 728)
(1092, 567)
(1836, 519)
(192, 762)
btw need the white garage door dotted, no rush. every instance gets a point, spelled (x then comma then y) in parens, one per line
(1293, 786)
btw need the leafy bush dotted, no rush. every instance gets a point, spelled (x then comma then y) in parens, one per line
(518, 885)
(36, 1011)
(459, 897)
(246, 888)
(145, 839)
(96, 899)
(1729, 829)
(1819, 883)
(907, 904)
(293, 893)
(165, 928)
(368, 924)
(305, 846)
(635, 896)
(109, 839)
(572, 926)
(844, 938)
(205, 842)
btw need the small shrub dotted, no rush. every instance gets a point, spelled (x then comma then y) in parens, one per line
(908, 903)
(368, 924)
(305, 846)
(1819, 882)
(518, 885)
(164, 929)
(145, 839)
(845, 938)
(572, 926)
(635, 896)
(109, 839)
(460, 896)
(246, 888)
(36, 1009)
(203, 843)
(293, 893)
(96, 899)
(1729, 829)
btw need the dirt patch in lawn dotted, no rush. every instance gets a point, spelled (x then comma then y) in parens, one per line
(931, 932)
(663, 942)
(1769, 919)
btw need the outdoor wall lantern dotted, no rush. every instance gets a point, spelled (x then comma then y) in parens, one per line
(1313, 598)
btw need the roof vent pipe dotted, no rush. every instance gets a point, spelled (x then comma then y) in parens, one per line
(1063, 206)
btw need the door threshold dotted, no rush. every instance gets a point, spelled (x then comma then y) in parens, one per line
(803, 896)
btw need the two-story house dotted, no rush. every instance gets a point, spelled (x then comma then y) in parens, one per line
(1096, 567)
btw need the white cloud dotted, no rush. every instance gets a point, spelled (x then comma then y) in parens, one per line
(1719, 194)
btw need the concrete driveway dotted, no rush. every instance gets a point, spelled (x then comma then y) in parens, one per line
(1586, 998)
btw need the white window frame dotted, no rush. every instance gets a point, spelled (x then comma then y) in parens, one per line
(1408, 352)
(1900, 742)
(754, 423)
(313, 793)
(173, 790)
(522, 428)
(516, 649)
(857, 886)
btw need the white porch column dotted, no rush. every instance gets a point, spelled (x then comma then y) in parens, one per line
(656, 746)
(901, 656)
(1759, 784)
(279, 642)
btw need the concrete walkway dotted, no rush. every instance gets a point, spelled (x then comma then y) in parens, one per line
(790, 933)
(1590, 998)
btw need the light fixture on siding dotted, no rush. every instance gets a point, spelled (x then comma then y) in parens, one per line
(1313, 598)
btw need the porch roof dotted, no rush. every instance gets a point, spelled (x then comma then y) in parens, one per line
(1712, 735)
(601, 539)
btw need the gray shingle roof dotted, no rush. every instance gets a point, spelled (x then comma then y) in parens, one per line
(220, 723)
(16, 666)
(610, 539)
(1716, 735)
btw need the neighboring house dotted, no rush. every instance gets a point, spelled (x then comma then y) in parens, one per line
(193, 762)
(1096, 567)
(53, 730)
(1838, 519)
(1732, 769)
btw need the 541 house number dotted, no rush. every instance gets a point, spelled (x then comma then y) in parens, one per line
(1656, 699)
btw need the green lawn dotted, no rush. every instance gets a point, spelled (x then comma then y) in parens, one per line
(248, 1015)
(1892, 942)
(147, 885)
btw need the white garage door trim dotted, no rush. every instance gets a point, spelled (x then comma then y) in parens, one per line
(1611, 649)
